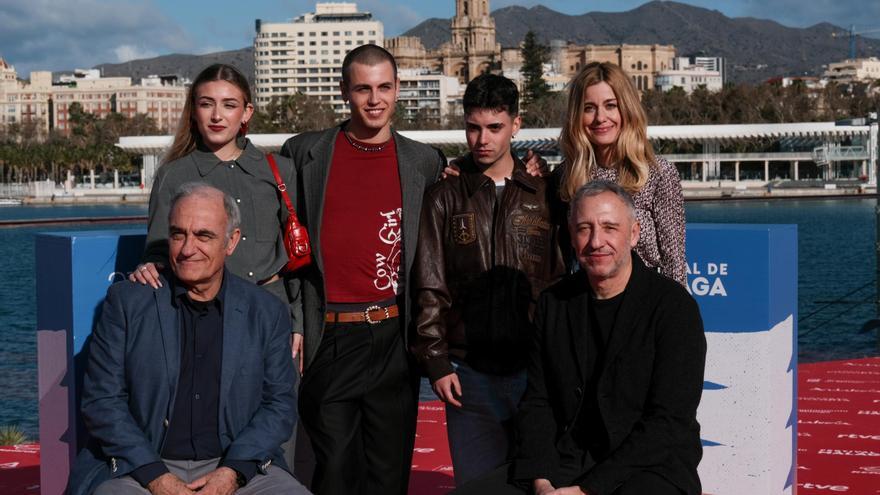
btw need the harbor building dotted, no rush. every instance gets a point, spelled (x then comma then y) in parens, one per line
(812, 155)
(48, 103)
(305, 55)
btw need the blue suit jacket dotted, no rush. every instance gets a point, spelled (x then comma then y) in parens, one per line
(132, 374)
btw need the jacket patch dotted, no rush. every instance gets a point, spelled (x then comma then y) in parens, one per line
(531, 207)
(533, 221)
(464, 228)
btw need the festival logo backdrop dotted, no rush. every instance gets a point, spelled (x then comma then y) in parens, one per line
(744, 278)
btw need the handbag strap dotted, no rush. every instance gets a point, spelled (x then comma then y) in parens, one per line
(281, 186)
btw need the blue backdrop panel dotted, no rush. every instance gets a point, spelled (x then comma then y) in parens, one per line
(74, 270)
(744, 278)
(741, 274)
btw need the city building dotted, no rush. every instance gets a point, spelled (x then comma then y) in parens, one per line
(21, 102)
(471, 51)
(641, 62)
(854, 70)
(713, 64)
(429, 96)
(305, 55)
(160, 97)
(808, 82)
(7, 73)
(48, 103)
(555, 81)
(78, 75)
(689, 75)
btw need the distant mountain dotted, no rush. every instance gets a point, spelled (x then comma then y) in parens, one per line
(434, 32)
(187, 66)
(755, 49)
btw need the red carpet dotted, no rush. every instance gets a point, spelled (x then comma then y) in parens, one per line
(839, 427)
(838, 437)
(20, 469)
(431, 466)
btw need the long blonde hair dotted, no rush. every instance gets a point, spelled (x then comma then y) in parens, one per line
(633, 155)
(187, 136)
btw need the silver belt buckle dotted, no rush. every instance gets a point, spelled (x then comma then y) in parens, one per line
(375, 308)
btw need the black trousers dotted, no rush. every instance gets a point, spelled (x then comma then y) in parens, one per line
(358, 402)
(498, 483)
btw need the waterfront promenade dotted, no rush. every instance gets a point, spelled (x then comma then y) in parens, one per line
(813, 159)
(838, 435)
(692, 189)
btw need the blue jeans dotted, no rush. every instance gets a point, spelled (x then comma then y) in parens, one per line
(480, 431)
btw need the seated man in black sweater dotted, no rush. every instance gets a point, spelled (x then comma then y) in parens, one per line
(616, 371)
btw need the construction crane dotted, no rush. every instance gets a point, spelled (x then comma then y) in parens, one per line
(852, 38)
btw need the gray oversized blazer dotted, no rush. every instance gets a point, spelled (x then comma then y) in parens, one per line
(419, 166)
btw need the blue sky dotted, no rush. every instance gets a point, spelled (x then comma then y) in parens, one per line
(67, 34)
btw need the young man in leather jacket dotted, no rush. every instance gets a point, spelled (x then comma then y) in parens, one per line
(487, 247)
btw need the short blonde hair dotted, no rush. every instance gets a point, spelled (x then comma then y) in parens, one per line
(633, 155)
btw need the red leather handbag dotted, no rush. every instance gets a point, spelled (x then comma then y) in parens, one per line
(296, 237)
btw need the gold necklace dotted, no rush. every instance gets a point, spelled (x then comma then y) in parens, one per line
(236, 156)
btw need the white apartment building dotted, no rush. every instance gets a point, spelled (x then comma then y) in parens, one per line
(713, 64)
(689, 75)
(305, 55)
(854, 70)
(424, 94)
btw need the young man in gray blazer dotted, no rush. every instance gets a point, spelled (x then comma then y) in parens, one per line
(190, 387)
(359, 193)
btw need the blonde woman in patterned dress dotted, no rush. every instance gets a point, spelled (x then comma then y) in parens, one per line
(605, 137)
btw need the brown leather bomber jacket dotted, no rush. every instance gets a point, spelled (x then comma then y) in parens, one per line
(480, 264)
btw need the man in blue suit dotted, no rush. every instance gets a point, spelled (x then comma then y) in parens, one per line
(190, 387)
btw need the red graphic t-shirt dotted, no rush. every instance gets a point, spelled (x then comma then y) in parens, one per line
(361, 229)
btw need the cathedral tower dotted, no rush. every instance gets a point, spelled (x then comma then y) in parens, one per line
(473, 37)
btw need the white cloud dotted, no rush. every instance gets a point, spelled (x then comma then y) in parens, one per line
(124, 53)
(209, 49)
(57, 35)
(396, 17)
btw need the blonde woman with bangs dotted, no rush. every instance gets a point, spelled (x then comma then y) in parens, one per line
(605, 137)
